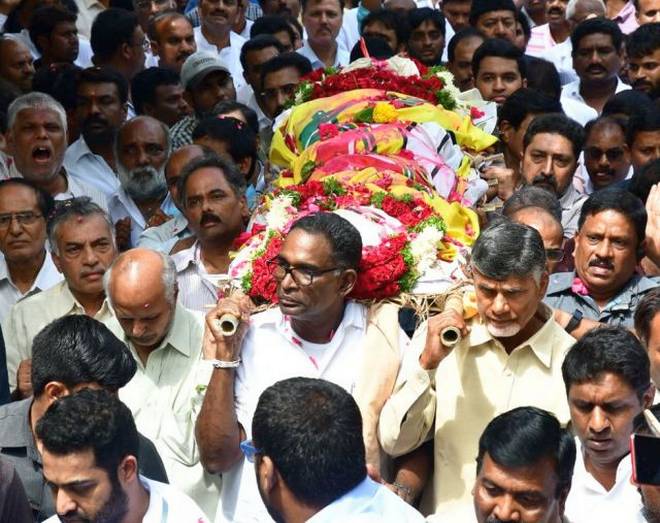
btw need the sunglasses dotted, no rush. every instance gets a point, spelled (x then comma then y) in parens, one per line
(249, 450)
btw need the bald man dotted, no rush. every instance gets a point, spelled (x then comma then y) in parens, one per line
(168, 388)
(550, 229)
(16, 67)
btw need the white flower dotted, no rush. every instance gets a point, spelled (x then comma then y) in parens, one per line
(424, 248)
(402, 66)
(280, 212)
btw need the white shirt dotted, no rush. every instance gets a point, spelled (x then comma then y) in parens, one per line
(368, 502)
(87, 12)
(85, 52)
(47, 276)
(196, 289)
(245, 33)
(166, 505)
(588, 501)
(90, 168)
(578, 111)
(246, 96)
(571, 204)
(231, 54)
(163, 237)
(349, 35)
(342, 57)
(561, 56)
(572, 90)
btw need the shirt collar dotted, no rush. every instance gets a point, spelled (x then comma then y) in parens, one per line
(187, 257)
(73, 305)
(626, 12)
(78, 149)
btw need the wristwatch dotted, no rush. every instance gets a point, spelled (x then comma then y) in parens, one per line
(575, 320)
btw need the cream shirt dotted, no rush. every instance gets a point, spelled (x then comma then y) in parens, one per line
(454, 403)
(165, 396)
(32, 314)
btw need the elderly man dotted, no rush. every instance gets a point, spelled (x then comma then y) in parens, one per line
(494, 18)
(322, 20)
(609, 244)
(315, 332)
(510, 355)
(36, 139)
(16, 67)
(26, 266)
(172, 39)
(69, 354)
(82, 246)
(166, 341)
(141, 150)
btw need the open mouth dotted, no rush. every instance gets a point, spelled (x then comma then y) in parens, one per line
(42, 154)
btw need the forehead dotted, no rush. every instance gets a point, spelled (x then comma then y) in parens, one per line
(606, 387)
(551, 143)
(540, 220)
(98, 89)
(647, 136)
(259, 56)
(214, 77)
(538, 477)
(496, 15)
(607, 130)
(507, 283)
(14, 197)
(595, 40)
(61, 469)
(426, 25)
(323, 5)
(81, 229)
(171, 26)
(205, 180)
(469, 45)
(142, 131)
(611, 220)
(498, 65)
(288, 75)
(652, 56)
(302, 247)
(180, 158)
(37, 114)
(13, 49)
(378, 25)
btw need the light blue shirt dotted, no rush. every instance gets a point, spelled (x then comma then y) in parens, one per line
(342, 57)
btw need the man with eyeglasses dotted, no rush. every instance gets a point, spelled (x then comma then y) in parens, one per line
(315, 331)
(606, 154)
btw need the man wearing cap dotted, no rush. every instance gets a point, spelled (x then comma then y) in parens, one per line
(494, 18)
(207, 80)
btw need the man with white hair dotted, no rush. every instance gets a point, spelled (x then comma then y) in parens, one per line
(168, 388)
(36, 140)
(142, 148)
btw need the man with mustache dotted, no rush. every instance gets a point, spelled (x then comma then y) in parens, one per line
(643, 50)
(606, 153)
(608, 246)
(426, 40)
(555, 31)
(495, 18)
(608, 384)
(460, 51)
(142, 148)
(322, 20)
(172, 39)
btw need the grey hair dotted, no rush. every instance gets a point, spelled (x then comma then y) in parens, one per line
(35, 100)
(572, 6)
(169, 276)
(533, 196)
(509, 249)
(73, 207)
(164, 128)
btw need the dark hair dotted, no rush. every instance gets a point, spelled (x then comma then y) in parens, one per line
(523, 21)
(524, 102)
(45, 19)
(312, 430)
(641, 426)
(522, 437)
(78, 349)
(343, 237)
(594, 26)
(643, 41)
(556, 124)
(145, 83)
(104, 75)
(391, 21)
(613, 350)
(532, 196)
(303, 4)
(501, 48)
(112, 28)
(646, 122)
(644, 179)
(418, 16)
(258, 43)
(646, 311)
(459, 36)
(284, 60)
(59, 81)
(604, 121)
(152, 31)
(509, 249)
(229, 170)
(45, 202)
(228, 106)
(481, 7)
(543, 76)
(295, 25)
(241, 141)
(377, 47)
(271, 24)
(619, 200)
(630, 102)
(90, 420)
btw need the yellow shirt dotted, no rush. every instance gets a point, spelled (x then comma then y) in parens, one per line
(454, 403)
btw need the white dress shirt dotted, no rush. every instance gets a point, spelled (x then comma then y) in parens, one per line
(572, 90)
(90, 168)
(47, 276)
(349, 35)
(561, 56)
(342, 57)
(87, 12)
(231, 54)
(588, 501)
(164, 237)
(196, 289)
(245, 33)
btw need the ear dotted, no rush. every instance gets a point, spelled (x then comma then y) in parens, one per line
(42, 42)
(244, 209)
(348, 280)
(641, 250)
(267, 475)
(187, 96)
(244, 166)
(648, 397)
(55, 390)
(576, 239)
(147, 109)
(127, 471)
(155, 47)
(10, 143)
(126, 51)
(543, 287)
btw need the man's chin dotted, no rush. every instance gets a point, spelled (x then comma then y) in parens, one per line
(503, 331)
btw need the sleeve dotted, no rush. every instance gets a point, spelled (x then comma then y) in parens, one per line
(16, 507)
(17, 344)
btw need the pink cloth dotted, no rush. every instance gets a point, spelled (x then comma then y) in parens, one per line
(625, 19)
(541, 41)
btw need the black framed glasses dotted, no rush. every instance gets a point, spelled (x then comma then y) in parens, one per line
(23, 218)
(554, 255)
(303, 277)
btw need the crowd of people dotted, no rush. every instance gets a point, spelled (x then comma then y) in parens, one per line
(134, 149)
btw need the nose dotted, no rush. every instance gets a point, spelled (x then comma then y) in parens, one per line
(506, 509)
(14, 227)
(143, 158)
(500, 30)
(281, 98)
(500, 306)
(548, 169)
(138, 329)
(604, 249)
(63, 503)
(599, 421)
(89, 257)
(595, 57)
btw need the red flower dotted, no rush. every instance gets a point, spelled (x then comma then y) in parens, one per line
(380, 269)
(246, 235)
(264, 285)
(328, 130)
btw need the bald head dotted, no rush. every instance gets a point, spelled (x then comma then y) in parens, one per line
(16, 64)
(578, 11)
(551, 230)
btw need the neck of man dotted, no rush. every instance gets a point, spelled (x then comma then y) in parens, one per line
(24, 272)
(103, 148)
(560, 32)
(613, 7)
(138, 502)
(214, 253)
(144, 351)
(321, 329)
(604, 473)
(602, 297)
(596, 94)
(217, 37)
(533, 326)
(91, 303)
(53, 185)
(327, 54)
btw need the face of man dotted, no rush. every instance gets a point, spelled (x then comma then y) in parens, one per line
(602, 413)
(606, 252)
(85, 250)
(219, 16)
(16, 65)
(24, 237)
(526, 494)
(498, 78)
(62, 45)
(426, 43)
(377, 29)
(178, 160)
(606, 155)
(551, 232)
(555, 12)
(461, 67)
(141, 156)
(457, 13)
(596, 60)
(513, 138)
(147, 9)
(281, 7)
(284, 38)
(278, 88)
(169, 105)
(645, 148)
(507, 306)
(644, 73)
(213, 209)
(215, 87)
(535, 6)
(648, 12)
(322, 20)
(99, 111)
(82, 491)
(549, 162)
(653, 347)
(37, 141)
(175, 43)
(498, 24)
(254, 61)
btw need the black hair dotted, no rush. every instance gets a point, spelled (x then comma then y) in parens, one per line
(241, 141)
(643, 41)
(258, 43)
(523, 21)
(303, 4)
(45, 19)
(641, 426)
(525, 102)
(271, 24)
(594, 26)
(112, 28)
(531, 196)
(229, 170)
(524, 436)
(646, 122)
(59, 81)
(78, 349)
(284, 60)
(646, 311)
(391, 21)
(45, 202)
(542, 75)
(418, 16)
(228, 106)
(630, 102)
(104, 75)
(481, 7)
(343, 237)
(500, 48)
(90, 420)
(377, 48)
(619, 200)
(644, 179)
(459, 36)
(613, 350)
(145, 83)
(556, 124)
(604, 121)
(312, 431)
